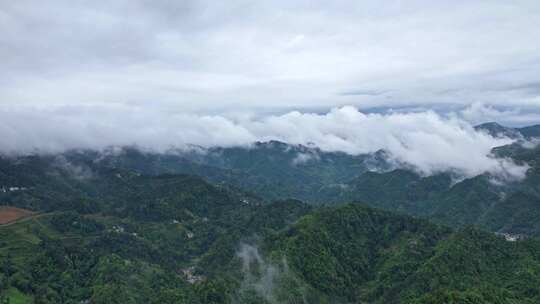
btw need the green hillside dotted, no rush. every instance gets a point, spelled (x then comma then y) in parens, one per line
(354, 254)
(141, 227)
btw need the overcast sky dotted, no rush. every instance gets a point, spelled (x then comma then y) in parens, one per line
(233, 55)
(91, 65)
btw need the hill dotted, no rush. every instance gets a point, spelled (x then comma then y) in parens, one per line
(274, 170)
(131, 226)
(360, 255)
(496, 130)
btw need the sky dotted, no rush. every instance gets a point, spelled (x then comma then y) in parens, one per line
(166, 73)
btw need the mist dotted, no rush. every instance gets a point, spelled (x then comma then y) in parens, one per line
(265, 279)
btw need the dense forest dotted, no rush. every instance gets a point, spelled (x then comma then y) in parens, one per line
(272, 223)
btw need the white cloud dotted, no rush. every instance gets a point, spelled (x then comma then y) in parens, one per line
(426, 140)
(479, 112)
(302, 158)
(238, 54)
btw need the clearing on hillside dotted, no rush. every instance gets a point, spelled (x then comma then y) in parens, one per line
(12, 214)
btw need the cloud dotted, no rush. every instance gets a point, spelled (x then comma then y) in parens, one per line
(270, 281)
(302, 158)
(426, 140)
(362, 92)
(480, 112)
(207, 56)
(265, 283)
(79, 172)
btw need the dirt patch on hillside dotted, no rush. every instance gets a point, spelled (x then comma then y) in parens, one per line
(12, 214)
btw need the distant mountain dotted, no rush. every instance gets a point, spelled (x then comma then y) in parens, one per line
(511, 207)
(48, 183)
(496, 130)
(530, 131)
(275, 171)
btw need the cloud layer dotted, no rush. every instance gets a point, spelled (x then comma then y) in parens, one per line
(81, 74)
(207, 56)
(426, 140)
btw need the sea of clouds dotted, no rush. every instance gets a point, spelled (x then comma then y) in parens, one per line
(426, 140)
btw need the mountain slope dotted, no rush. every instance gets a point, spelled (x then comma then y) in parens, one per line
(496, 130)
(530, 131)
(356, 254)
(273, 170)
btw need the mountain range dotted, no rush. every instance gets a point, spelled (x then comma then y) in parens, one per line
(269, 223)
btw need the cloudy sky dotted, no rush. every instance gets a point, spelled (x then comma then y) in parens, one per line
(232, 55)
(169, 72)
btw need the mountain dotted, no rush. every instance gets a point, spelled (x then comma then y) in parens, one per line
(276, 171)
(354, 254)
(496, 130)
(273, 170)
(509, 208)
(281, 252)
(530, 131)
(216, 226)
(122, 237)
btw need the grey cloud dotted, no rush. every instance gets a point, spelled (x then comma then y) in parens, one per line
(510, 116)
(532, 88)
(173, 73)
(362, 92)
(267, 54)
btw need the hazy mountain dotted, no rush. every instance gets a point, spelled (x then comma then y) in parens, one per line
(496, 130)
(530, 131)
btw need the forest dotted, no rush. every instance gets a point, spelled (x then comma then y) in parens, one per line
(138, 227)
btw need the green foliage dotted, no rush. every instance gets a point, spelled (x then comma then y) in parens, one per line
(14, 296)
(128, 228)
(340, 251)
(360, 254)
(71, 221)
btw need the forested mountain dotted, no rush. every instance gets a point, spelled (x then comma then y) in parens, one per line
(122, 237)
(276, 170)
(263, 254)
(223, 226)
(354, 254)
(511, 207)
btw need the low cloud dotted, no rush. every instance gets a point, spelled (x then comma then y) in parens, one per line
(259, 276)
(480, 112)
(302, 158)
(427, 141)
(266, 281)
(79, 172)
